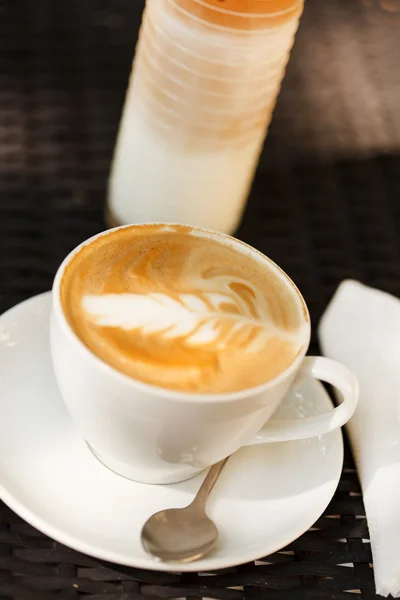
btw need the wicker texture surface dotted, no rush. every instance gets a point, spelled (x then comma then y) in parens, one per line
(325, 205)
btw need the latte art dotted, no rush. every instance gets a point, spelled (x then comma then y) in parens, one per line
(175, 308)
(212, 320)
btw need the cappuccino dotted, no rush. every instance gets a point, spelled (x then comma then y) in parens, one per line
(184, 309)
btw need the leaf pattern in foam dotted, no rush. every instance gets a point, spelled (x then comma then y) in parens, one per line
(206, 319)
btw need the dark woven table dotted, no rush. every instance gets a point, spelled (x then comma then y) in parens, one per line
(325, 205)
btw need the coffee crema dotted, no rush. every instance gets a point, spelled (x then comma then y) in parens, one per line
(173, 307)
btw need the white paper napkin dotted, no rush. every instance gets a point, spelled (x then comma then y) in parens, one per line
(361, 328)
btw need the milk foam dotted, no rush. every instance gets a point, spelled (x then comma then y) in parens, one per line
(181, 310)
(196, 319)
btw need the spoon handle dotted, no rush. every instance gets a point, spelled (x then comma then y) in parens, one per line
(201, 497)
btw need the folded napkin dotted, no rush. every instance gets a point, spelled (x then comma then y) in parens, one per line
(361, 328)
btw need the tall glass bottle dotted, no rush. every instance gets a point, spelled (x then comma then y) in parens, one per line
(202, 90)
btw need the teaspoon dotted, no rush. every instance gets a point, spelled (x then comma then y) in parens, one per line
(183, 534)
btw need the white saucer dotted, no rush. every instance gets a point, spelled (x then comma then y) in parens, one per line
(267, 496)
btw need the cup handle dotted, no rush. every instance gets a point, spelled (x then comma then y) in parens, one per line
(331, 372)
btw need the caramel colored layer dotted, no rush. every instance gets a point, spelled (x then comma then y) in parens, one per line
(182, 311)
(245, 15)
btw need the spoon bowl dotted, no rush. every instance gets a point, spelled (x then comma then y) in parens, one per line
(179, 534)
(183, 534)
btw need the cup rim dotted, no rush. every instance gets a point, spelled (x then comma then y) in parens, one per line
(155, 390)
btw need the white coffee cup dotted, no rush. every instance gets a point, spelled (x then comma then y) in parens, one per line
(156, 435)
